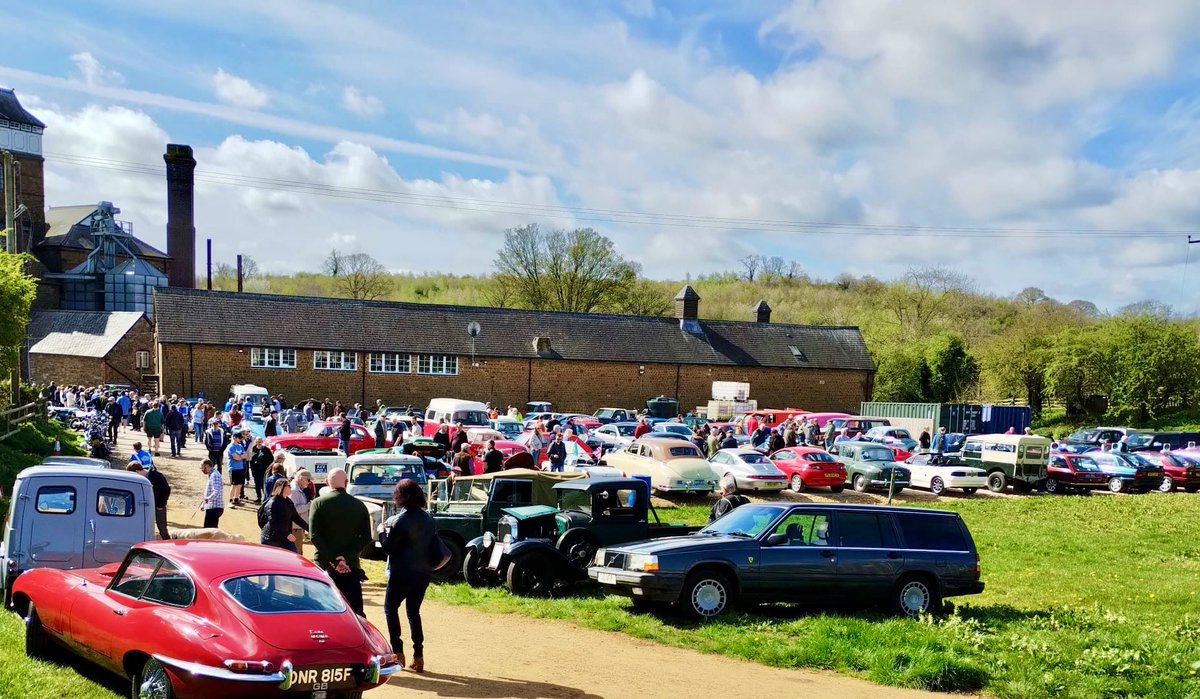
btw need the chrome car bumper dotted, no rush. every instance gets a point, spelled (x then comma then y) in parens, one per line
(282, 678)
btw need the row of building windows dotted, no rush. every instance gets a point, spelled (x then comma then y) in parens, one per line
(377, 362)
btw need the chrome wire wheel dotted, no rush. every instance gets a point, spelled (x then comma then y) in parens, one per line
(915, 598)
(155, 683)
(709, 597)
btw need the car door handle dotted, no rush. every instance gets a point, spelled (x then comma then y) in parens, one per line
(119, 612)
(827, 554)
(894, 555)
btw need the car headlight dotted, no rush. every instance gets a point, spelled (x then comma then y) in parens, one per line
(598, 559)
(488, 539)
(643, 562)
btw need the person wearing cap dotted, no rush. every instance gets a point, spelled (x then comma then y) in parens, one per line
(557, 452)
(775, 442)
(162, 491)
(271, 424)
(113, 411)
(215, 442)
(381, 431)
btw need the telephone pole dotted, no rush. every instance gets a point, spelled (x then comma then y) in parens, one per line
(10, 203)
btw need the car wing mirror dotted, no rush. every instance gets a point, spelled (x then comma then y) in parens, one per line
(777, 539)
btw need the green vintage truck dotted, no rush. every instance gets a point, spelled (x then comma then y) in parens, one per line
(467, 507)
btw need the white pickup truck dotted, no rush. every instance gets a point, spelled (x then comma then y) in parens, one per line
(318, 463)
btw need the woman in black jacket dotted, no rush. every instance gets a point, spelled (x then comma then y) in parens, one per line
(407, 543)
(281, 516)
(260, 460)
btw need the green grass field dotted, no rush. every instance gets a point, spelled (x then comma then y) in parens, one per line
(31, 679)
(1086, 597)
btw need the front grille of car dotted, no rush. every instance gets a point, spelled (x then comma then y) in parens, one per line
(505, 528)
(614, 559)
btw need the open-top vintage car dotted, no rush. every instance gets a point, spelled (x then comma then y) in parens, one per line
(207, 619)
(536, 546)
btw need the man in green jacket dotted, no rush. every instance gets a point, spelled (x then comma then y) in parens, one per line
(340, 527)
(152, 422)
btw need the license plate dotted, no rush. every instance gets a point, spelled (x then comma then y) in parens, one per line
(699, 482)
(322, 677)
(606, 579)
(497, 552)
(320, 468)
(831, 475)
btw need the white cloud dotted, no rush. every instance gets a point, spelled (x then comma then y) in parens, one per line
(238, 92)
(93, 72)
(358, 102)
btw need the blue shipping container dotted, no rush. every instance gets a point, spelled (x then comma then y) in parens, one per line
(997, 419)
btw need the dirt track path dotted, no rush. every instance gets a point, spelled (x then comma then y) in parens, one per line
(474, 654)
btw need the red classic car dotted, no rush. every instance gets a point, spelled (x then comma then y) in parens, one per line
(807, 467)
(1179, 470)
(1073, 471)
(506, 447)
(322, 436)
(207, 619)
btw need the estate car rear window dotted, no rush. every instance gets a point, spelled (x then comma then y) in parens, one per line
(931, 532)
(56, 499)
(283, 594)
(865, 530)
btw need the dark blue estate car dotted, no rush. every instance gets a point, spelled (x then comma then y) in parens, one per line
(907, 558)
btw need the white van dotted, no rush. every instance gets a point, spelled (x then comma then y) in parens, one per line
(257, 395)
(469, 412)
(73, 517)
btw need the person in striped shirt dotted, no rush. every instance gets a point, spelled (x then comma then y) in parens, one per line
(213, 503)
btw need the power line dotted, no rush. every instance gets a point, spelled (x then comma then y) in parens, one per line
(468, 204)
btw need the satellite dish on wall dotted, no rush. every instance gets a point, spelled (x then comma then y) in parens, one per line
(473, 329)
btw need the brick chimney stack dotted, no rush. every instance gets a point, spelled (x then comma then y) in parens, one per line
(762, 312)
(687, 304)
(181, 222)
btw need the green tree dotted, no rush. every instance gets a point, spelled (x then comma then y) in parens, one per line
(1078, 367)
(578, 271)
(950, 369)
(899, 376)
(1155, 364)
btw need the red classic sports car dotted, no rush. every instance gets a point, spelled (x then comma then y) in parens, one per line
(807, 467)
(207, 619)
(322, 436)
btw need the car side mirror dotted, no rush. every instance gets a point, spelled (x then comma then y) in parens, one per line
(777, 540)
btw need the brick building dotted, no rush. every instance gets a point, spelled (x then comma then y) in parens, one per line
(406, 354)
(86, 348)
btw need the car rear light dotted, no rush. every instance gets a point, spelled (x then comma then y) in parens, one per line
(388, 659)
(250, 667)
(977, 572)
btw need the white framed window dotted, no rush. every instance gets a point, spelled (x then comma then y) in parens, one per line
(389, 363)
(272, 358)
(141, 359)
(437, 364)
(335, 361)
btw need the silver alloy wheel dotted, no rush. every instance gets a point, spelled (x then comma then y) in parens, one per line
(937, 485)
(1116, 485)
(914, 598)
(1167, 485)
(156, 684)
(1051, 485)
(797, 483)
(709, 597)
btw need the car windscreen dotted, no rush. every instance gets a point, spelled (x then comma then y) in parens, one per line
(819, 457)
(578, 500)
(471, 418)
(1083, 436)
(1135, 460)
(877, 455)
(747, 520)
(283, 594)
(386, 474)
(626, 430)
(682, 452)
(1141, 440)
(754, 458)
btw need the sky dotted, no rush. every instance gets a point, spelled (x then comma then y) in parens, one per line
(1021, 142)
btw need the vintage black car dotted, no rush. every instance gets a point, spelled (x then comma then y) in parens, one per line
(907, 558)
(536, 546)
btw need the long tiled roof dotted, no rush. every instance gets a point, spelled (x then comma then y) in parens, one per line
(78, 333)
(256, 320)
(11, 110)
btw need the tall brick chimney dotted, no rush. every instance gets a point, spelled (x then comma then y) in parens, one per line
(762, 312)
(181, 222)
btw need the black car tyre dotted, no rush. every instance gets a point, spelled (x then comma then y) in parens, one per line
(937, 486)
(579, 547)
(797, 483)
(860, 483)
(997, 482)
(914, 595)
(1167, 485)
(531, 575)
(473, 572)
(453, 567)
(1052, 485)
(969, 491)
(1116, 485)
(837, 488)
(151, 682)
(37, 641)
(706, 594)
(1191, 488)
